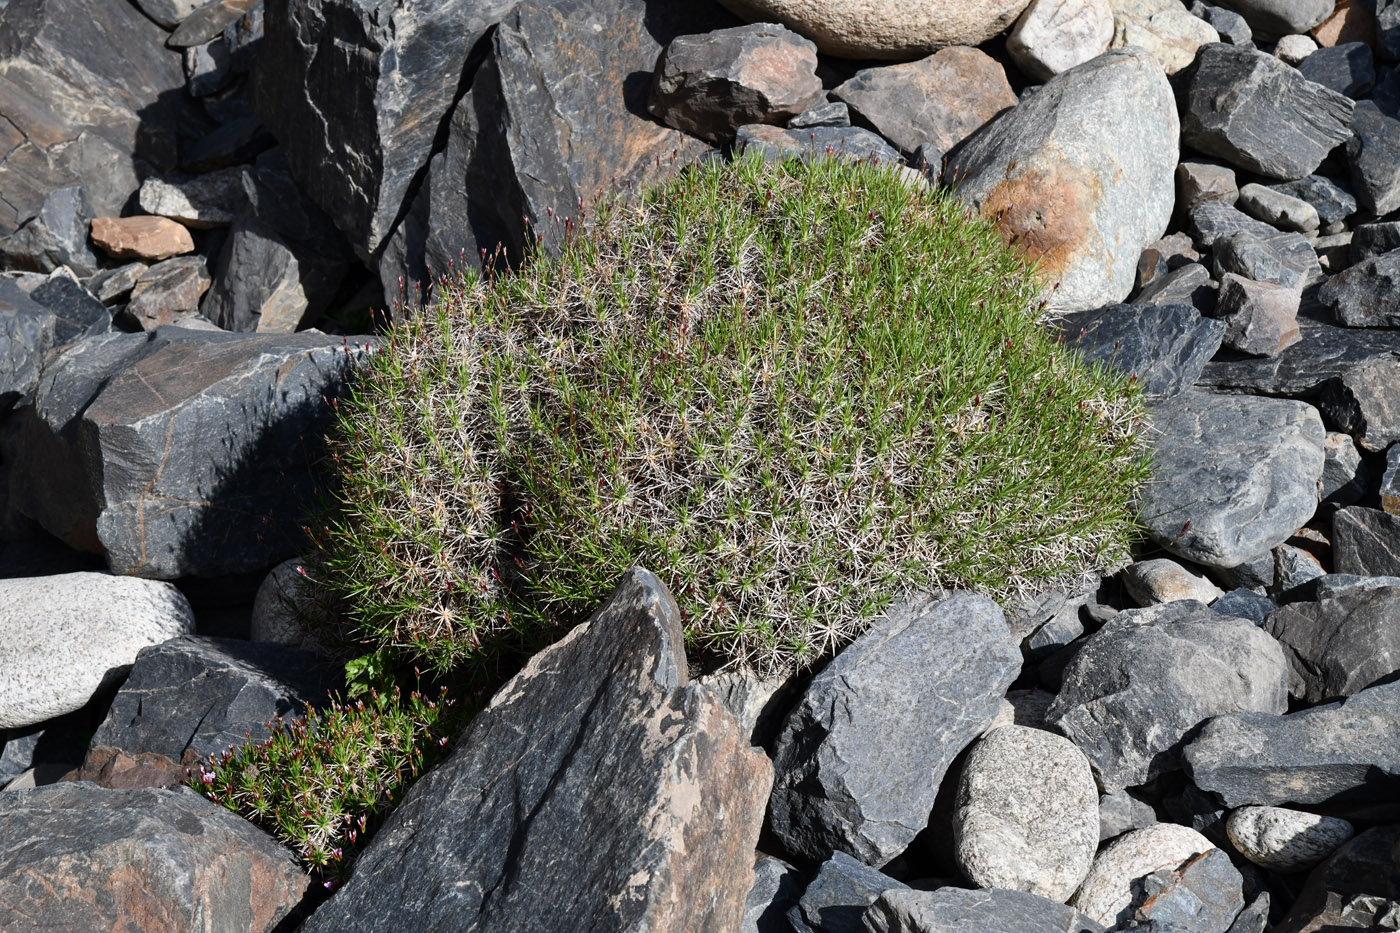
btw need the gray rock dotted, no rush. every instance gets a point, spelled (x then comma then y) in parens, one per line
(1205, 181)
(1278, 209)
(1334, 250)
(711, 84)
(77, 312)
(1254, 918)
(958, 910)
(1347, 68)
(28, 331)
(1229, 25)
(1272, 19)
(1256, 113)
(1204, 895)
(844, 142)
(114, 285)
(1235, 475)
(776, 888)
(168, 13)
(1027, 813)
(1190, 806)
(1286, 840)
(208, 21)
(208, 68)
(1366, 541)
(56, 236)
(935, 102)
(1344, 475)
(1162, 580)
(288, 608)
(166, 292)
(201, 202)
(1062, 175)
(1115, 886)
(1260, 318)
(1150, 676)
(1047, 623)
(1364, 401)
(1294, 49)
(76, 856)
(1367, 294)
(205, 695)
(758, 704)
(1212, 221)
(1370, 240)
(1344, 751)
(226, 498)
(1373, 158)
(1258, 573)
(1190, 284)
(1244, 254)
(1325, 352)
(1335, 584)
(1244, 604)
(932, 672)
(240, 140)
(1122, 812)
(356, 90)
(67, 637)
(1355, 889)
(829, 113)
(666, 843)
(1390, 481)
(1165, 346)
(1340, 645)
(1332, 202)
(1294, 567)
(838, 896)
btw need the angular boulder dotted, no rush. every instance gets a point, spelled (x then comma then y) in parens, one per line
(1364, 401)
(1367, 541)
(1357, 888)
(517, 819)
(1367, 294)
(837, 897)
(1340, 646)
(1165, 347)
(1079, 187)
(859, 760)
(75, 856)
(958, 910)
(56, 236)
(1115, 887)
(28, 331)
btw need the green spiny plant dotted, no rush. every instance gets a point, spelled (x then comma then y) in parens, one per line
(793, 391)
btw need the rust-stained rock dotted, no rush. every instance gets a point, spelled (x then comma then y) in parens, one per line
(75, 856)
(167, 291)
(1079, 175)
(147, 238)
(115, 769)
(598, 791)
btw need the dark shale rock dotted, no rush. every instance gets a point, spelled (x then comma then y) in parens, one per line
(166, 292)
(201, 202)
(28, 331)
(1245, 254)
(711, 84)
(1325, 352)
(1235, 475)
(838, 896)
(1277, 209)
(214, 434)
(958, 910)
(356, 90)
(1273, 19)
(842, 142)
(1189, 284)
(824, 113)
(1366, 541)
(932, 672)
(1364, 401)
(1150, 676)
(1344, 751)
(1332, 202)
(1244, 604)
(1345, 477)
(1231, 26)
(1260, 318)
(1121, 812)
(208, 21)
(239, 140)
(1341, 645)
(1370, 240)
(57, 53)
(205, 695)
(208, 68)
(517, 815)
(1373, 158)
(1352, 890)
(1347, 69)
(1165, 346)
(1367, 294)
(776, 888)
(112, 286)
(76, 310)
(75, 856)
(1257, 113)
(56, 236)
(1204, 895)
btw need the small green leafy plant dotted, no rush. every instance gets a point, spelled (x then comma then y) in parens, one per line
(322, 783)
(792, 391)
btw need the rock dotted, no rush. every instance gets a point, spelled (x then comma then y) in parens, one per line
(208, 68)
(283, 260)
(1334, 251)
(1364, 401)
(1294, 567)
(1390, 481)
(285, 602)
(1348, 22)
(168, 13)
(1347, 69)
(1141, 683)
(1080, 188)
(77, 856)
(1150, 582)
(205, 201)
(838, 896)
(1271, 19)
(1171, 34)
(1332, 202)
(1278, 209)
(957, 910)
(115, 285)
(831, 113)
(1115, 889)
(1245, 255)
(147, 238)
(206, 695)
(226, 498)
(1339, 646)
(1205, 181)
(1166, 346)
(1260, 318)
(1344, 751)
(1122, 812)
(1205, 894)
(1372, 155)
(77, 311)
(776, 888)
(1191, 285)
(1325, 352)
(1028, 707)
(239, 140)
(356, 90)
(935, 102)
(845, 142)
(88, 93)
(166, 292)
(757, 703)
(530, 142)
(1235, 475)
(1355, 889)
(1254, 918)
(70, 636)
(1047, 623)
(885, 29)
(1373, 240)
(932, 672)
(1344, 477)
(208, 21)
(1027, 815)
(666, 842)
(1285, 840)
(1231, 26)
(1244, 604)
(711, 84)
(114, 769)
(1258, 114)
(1211, 221)
(56, 236)
(1294, 50)
(1334, 584)
(28, 331)
(1051, 37)
(1366, 541)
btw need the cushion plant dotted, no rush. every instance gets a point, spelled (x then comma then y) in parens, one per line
(793, 391)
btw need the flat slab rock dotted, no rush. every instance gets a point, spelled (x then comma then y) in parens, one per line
(75, 856)
(1165, 347)
(858, 762)
(1340, 645)
(517, 821)
(1325, 352)
(1234, 475)
(958, 910)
